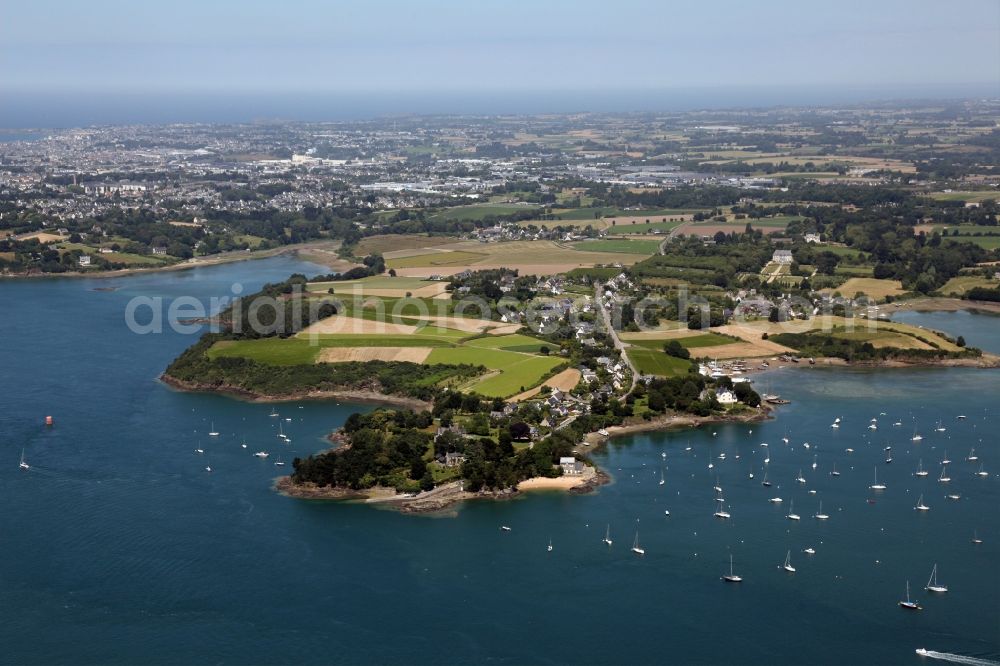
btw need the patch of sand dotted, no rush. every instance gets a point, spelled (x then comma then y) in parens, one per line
(558, 483)
(564, 381)
(345, 354)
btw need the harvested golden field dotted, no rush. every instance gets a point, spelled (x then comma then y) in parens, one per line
(399, 242)
(564, 381)
(529, 257)
(877, 289)
(346, 354)
(355, 326)
(660, 334)
(741, 350)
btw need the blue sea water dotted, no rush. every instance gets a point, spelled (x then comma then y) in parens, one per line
(118, 547)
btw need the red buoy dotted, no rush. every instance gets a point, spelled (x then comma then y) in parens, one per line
(48, 420)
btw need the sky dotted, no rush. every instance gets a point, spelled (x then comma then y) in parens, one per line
(492, 47)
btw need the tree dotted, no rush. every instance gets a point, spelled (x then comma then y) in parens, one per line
(960, 342)
(427, 481)
(675, 349)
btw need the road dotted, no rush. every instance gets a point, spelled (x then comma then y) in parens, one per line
(616, 341)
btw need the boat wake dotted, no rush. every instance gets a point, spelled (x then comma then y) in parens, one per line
(958, 658)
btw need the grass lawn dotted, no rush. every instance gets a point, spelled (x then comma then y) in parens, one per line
(653, 362)
(647, 247)
(273, 351)
(966, 196)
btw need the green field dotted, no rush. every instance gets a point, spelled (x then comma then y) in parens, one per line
(517, 371)
(651, 362)
(977, 196)
(375, 282)
(690, 342)
(514, 359)
(646, 247)
(963, 283)
(432, 259)
(478, 212)
(640, 228)
(515, 342)
(607, 211)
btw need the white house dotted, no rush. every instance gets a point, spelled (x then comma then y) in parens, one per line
(84, 260)
(571, 466)
(726, 397)
(782, 257)
(812, 238)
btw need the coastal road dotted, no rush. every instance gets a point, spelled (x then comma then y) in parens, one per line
(606, 318)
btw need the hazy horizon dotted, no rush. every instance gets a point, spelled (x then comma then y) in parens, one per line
(112, 62)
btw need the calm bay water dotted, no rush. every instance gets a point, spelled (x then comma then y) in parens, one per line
(117, 546)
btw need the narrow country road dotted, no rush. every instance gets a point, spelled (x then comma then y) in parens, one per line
(616, 341)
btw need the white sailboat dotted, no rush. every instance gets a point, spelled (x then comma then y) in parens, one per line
(274, 413)
(800, 478)
(944, 478)
(909, 605)
(877, 485)
(834, 472)
(23, 465)
(916, 436)
(607, 535)
(549, 549)
(982, 472)
(213, 432)
(638, 550)
(662, 480)
(721, 512)
(262, 454)
(732, 577)
(975, 537)
(945, 460)
(920, 505)
(940, 426)
(819, 515)
(791, 511)
(787, 566)
(809, 551)
(920, 468)
(932, 582)
(775, 500)
(814, 461)
(279, 462)
(765, 482)
(972, 457)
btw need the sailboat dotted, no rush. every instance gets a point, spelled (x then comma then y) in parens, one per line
(549, 549)
(944, 478)
(877, 485)
(972, 456)
(819, 515)
(261, 454)
(208, 468)
(721, 512)
(909, 605)
(921, 506)
(213, 432)
(635, 545)
(274, 413)
(732, 577)
(975, 537)
(662, 480)
(717, 488)
(814, 461)
(982, 472)
(607, 535)
(787, 566)
(945, 460)
(23, 464)
(279, 462)
(765, 482)
(800, 478)
(920, 468)
(834, 472)
(916, 436)
(775, 500)
(932, 582)
(791, 511)
(940, 427)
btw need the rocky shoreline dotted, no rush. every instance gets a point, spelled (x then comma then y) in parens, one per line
(347, 395)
